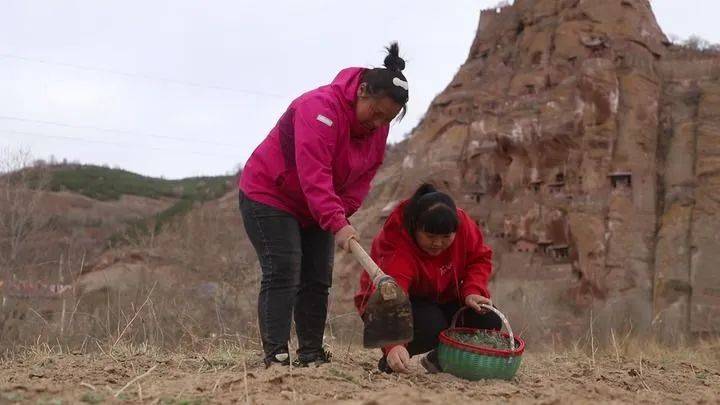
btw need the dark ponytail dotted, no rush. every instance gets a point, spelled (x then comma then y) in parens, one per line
(389, 81)
(430, 211)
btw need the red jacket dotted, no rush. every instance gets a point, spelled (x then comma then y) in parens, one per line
(463, 269)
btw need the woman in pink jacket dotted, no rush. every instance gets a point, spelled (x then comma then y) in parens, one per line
(298, 189)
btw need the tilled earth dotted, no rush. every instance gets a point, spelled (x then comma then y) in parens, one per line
(137, 375)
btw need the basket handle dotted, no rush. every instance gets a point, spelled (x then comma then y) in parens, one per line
(503, 318)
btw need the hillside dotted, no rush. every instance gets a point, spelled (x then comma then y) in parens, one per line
(78, 211)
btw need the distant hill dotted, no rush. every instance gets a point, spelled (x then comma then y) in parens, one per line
(103, 183)
(82, 210)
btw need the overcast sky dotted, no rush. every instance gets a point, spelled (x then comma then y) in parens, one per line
(180, 88)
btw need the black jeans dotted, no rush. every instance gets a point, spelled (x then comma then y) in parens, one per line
(296, 266)
(431, 318)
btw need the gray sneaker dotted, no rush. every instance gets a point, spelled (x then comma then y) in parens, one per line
(282, 359)
(431, 363)
(321, 357)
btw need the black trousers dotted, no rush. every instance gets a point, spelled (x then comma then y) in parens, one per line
(296, 266)
(431, 318)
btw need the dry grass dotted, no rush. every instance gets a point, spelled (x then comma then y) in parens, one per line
(229, 370)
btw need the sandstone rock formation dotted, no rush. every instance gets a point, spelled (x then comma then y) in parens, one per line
(587, 146)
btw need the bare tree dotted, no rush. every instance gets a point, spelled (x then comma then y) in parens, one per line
(20, 195)
(697, 43)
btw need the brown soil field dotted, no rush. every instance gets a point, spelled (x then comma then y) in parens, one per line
(636, 373)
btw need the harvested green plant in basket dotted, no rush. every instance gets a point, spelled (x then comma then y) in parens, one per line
(475, 354)
(482, 338)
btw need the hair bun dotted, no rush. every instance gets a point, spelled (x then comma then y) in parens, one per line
(393, 61)
(426, 188)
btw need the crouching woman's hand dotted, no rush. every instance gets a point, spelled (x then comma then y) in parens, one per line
(398, 359)
(474, 301)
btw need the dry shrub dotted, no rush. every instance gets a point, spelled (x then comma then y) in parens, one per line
(21, 220)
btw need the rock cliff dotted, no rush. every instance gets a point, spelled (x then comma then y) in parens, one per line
(587, 147)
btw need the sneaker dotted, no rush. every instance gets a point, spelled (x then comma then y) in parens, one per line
(383, 366)
(282, 359)
(321, 357)
(431, 363)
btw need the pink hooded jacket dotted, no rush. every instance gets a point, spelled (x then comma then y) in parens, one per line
(318, 161)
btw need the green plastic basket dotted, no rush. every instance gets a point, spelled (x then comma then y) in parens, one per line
(475, 362)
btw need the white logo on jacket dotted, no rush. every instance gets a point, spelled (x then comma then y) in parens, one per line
(446, 268)
(325, 120)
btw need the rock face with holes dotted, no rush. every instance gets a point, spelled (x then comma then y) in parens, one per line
(588, 149)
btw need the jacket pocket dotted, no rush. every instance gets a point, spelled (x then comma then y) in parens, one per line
(288, 182)
(280, 179)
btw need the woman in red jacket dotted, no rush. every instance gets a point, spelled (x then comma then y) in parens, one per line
(436, 253)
